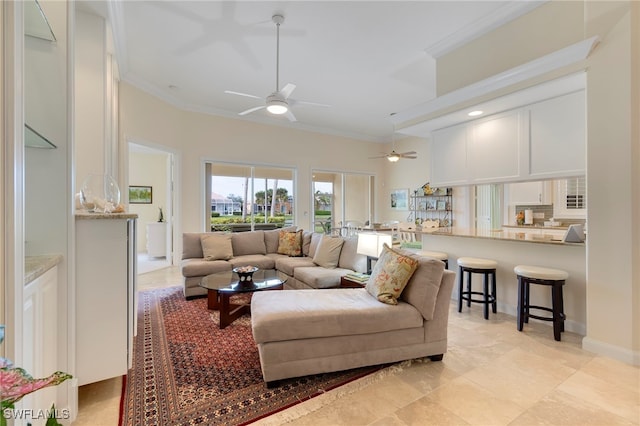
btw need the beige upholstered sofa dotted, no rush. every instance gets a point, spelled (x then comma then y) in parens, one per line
(260, 248)
(308, 332)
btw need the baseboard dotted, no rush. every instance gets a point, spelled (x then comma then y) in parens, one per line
(616, 352)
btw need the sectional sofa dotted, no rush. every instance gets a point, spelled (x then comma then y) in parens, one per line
(312, 269)
(309, 332)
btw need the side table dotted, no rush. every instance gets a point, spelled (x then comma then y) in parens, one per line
(345, 282)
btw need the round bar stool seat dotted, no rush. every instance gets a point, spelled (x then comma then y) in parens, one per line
(554, 278)
(485, 267)
(436, 255)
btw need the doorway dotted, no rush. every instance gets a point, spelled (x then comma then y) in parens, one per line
(151, 172)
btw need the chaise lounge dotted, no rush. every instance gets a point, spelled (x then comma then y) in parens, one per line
(303, 332)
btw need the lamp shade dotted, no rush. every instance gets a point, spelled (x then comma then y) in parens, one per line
(370, 243)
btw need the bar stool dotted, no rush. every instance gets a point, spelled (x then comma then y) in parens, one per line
(554, 278)
(486, 267)
(436, 255)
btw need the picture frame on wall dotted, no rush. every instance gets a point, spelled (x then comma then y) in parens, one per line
(140, 194)
(400, 199)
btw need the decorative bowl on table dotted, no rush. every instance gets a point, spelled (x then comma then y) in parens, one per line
(245, 274)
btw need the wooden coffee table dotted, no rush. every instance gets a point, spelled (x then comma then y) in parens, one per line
(222, 285)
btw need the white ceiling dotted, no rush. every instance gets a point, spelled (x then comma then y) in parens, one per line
(367, 59)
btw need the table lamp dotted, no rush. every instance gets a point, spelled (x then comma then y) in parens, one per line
(370, 245)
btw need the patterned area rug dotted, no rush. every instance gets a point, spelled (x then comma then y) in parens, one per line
(187, 371)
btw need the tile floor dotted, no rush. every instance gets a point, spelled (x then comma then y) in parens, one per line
(491, 375)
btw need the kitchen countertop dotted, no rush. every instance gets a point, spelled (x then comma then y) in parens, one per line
(555, 228)
(504, 235)
(35, 266)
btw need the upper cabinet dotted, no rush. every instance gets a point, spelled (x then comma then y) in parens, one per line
(541, 140)
(557, 136)
(494, 148)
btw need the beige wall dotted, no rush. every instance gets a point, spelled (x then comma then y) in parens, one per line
(550, 27)
(198, 137)
(612, 303)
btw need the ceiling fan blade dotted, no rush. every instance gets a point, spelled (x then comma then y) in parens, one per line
(242, 94)
(378, 156)
(287, 90)
(290, 116)
(250, 110)
(410, 157)
(309, 103)
(407, 153)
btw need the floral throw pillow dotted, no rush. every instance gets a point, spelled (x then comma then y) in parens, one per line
(390, 275)
(290, 243)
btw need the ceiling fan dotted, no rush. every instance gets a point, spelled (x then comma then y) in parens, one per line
(394, 156)
(278, 102)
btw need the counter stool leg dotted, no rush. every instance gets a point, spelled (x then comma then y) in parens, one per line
(494, 305)
(485, 288)
(521, 303)
(558, 320)
(527, 293)
(469, 289)
(562, 306)
(460, 286)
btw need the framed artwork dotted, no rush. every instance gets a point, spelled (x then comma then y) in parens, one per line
(400, 199)
(140, 194)
(442, 205)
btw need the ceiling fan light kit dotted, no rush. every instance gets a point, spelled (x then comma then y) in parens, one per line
(393, 157)
(277, 102)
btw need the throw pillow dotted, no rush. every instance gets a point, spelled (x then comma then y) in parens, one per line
(327, 254)
(216, 246)
(390, 275)
(290, 243)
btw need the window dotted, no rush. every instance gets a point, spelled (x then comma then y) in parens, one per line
(247, 197)
(341, 197)
(571, 198)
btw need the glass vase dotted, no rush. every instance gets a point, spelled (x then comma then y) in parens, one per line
(100, 194)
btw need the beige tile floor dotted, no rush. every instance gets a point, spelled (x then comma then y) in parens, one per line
(491, 375)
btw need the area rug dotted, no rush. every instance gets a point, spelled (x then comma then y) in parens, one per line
(187, 371)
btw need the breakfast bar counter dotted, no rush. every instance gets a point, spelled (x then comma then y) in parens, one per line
(510, 249)
(506, 234)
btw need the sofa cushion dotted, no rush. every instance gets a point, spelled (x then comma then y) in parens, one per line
(216, 246)
(250, 242)
(349, 258)
(259, 260)
(306, 242)
(390, 275)
(318, 277)
(289, 264)
(327, 254)
(290, 243)
(191, 245)
(422, 289)
(313, 243)
(201, 267)
(308, 314)
(272, 237)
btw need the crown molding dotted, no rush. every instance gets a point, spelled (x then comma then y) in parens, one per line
(530, 70)
(503, 15)
(118, 33)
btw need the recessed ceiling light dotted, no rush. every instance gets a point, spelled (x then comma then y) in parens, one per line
(475, 113)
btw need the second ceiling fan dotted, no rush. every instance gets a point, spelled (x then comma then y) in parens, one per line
(278, 102)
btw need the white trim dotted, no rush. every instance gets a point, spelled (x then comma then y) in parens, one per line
(496, 19)
(551, 62)
(628, 356)
(118, 31)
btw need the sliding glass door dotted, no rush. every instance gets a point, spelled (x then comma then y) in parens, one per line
(241, 197)
(341, 198)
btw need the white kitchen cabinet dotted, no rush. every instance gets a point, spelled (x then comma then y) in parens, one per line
(157, 239)
(529, 193)
(494, 148)
(449, 156)
(557, 136)
(39, 327)
(105, 295)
